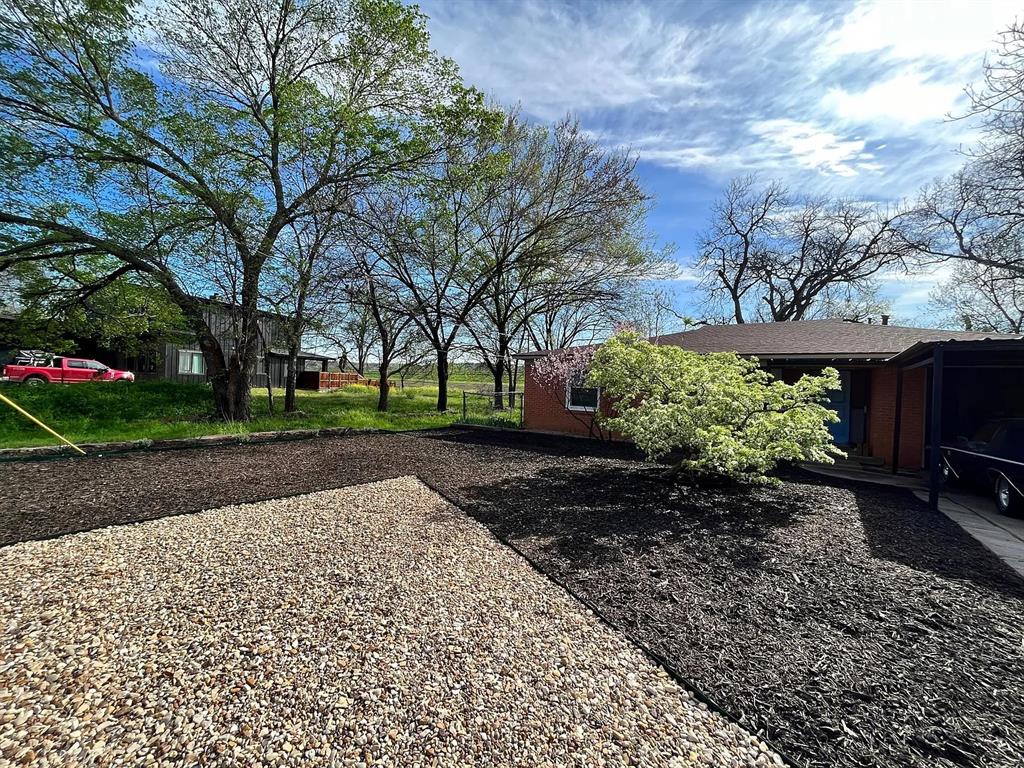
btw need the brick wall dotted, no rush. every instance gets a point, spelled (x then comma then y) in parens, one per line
(882, 415)
(915, 384)
(545, 409)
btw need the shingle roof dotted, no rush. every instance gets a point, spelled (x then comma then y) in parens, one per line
(824, 339)
(818, 338)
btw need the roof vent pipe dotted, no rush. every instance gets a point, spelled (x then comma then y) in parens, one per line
(885, 319)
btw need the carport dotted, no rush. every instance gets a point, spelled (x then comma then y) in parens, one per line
(972, 382)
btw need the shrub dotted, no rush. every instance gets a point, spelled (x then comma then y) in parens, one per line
(720, 413)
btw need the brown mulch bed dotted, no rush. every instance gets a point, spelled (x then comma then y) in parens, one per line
(845, 621)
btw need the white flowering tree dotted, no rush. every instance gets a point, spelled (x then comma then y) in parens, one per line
(721, 414)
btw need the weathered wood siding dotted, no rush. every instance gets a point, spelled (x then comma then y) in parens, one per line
(224, 326)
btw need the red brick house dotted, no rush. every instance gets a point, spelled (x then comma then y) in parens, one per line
(887, 372)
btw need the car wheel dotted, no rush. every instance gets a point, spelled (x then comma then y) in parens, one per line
(34, 381)
(948, 478)
(1008, 501)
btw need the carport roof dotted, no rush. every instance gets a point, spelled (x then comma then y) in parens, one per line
(812, 339)
(997, 342)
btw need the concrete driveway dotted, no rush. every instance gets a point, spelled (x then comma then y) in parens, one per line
(977, 515)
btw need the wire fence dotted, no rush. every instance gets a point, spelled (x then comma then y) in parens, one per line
(494, 409)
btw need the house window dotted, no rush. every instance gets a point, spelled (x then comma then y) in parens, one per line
(190, 361)
(579, 397)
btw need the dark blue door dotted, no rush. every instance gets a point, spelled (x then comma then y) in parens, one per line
(839, 401)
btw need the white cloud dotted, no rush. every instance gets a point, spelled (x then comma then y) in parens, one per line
(815, 148)
(911, 293)
(844, 98)
(906, 99)
(911, 29)
(555, 59)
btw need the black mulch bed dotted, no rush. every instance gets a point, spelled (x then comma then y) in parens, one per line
(845, 621)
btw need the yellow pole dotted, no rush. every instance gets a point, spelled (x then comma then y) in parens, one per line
(28, 415)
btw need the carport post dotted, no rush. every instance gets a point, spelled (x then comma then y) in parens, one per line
(935, 452)
(897, 421)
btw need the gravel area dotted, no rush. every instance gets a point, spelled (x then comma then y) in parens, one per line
(370, 625)
(844, 621)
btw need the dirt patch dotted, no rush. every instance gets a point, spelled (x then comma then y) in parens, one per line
(846, 622)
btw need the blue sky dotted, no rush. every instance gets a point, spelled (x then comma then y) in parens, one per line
(843, 98)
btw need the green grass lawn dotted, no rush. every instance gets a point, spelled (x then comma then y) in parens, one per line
(91, 413)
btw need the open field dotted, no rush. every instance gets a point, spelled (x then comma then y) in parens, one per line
(844, 621)
(159, 410)
(461, 377)
(374, 624)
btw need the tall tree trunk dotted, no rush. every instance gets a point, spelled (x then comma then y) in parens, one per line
(290, 376)
(231, 400)
(737, 309)
(270, 384)
(229, 379)
(442, 380)
(498, 371)
(382, 385)
(231, 395)
(513, 376)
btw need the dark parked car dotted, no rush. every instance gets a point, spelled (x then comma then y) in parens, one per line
(993, 459)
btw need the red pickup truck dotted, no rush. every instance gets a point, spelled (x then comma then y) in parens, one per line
(60, 370)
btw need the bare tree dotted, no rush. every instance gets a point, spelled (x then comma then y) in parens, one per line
(427, 240)
(651, 312)
(306, 284)
(977, 215)
(827, 251)
(861, 303)
(772, 257)
(742, 223)
(399, 344)
(561, 223)
(981, 298)
(355, 333)
(568, 324)
(966, 218)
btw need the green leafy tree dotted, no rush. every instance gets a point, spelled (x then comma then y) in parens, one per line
(56, 305)
(720, 413)
(185, 141)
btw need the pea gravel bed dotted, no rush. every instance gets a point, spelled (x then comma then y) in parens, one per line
(370, 625)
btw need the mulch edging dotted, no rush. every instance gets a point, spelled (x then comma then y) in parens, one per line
(206, 441)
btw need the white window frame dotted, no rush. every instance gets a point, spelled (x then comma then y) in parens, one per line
(580, 408)
(192, 353)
